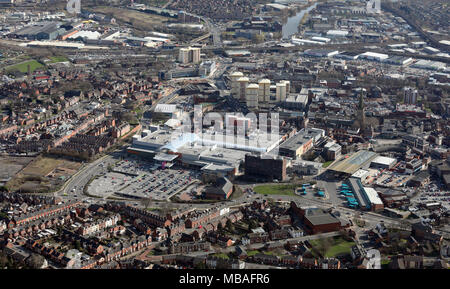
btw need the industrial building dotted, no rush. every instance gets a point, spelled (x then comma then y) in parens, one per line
(429, 64)
(374, 56)
(337, 33)
(347, 55)
(40, 31)
(321, 52)
(399, 60)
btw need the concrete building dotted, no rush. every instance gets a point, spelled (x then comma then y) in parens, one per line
(207, 68)
(183, 56)
(235, 83)
(189, 55)
(333, 151)
(410, 95)
(281, 92)
(242, 88)
(251, 95)
(264, 90)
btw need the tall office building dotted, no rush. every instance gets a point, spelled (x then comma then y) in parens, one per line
(264, 90)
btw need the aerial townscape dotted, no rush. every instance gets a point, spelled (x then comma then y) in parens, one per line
(224, 134)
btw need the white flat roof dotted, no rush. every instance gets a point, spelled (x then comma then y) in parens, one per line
(360, 174)
(337, 32)
(376, 55)
(373, 196)
(86, 34)
(165, 108)
(384, 160)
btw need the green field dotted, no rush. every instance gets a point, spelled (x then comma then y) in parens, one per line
(276, 189)
(56, 59)
(252, 253)
(326, 164)
(221, 256)
(339, 247)
(23, 67)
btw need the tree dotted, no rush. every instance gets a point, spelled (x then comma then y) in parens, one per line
(36, 261)
(230, 226)
(252, 224)
(78, 245)
(323, 246)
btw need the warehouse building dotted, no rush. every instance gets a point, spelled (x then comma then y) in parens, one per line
(40, 31)
(321, 52)
(399, 60)
(374, 56)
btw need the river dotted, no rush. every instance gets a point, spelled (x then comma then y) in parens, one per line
(291, 26)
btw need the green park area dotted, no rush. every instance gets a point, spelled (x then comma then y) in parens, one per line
(332, 247)
(282, 189)
(23, 66)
